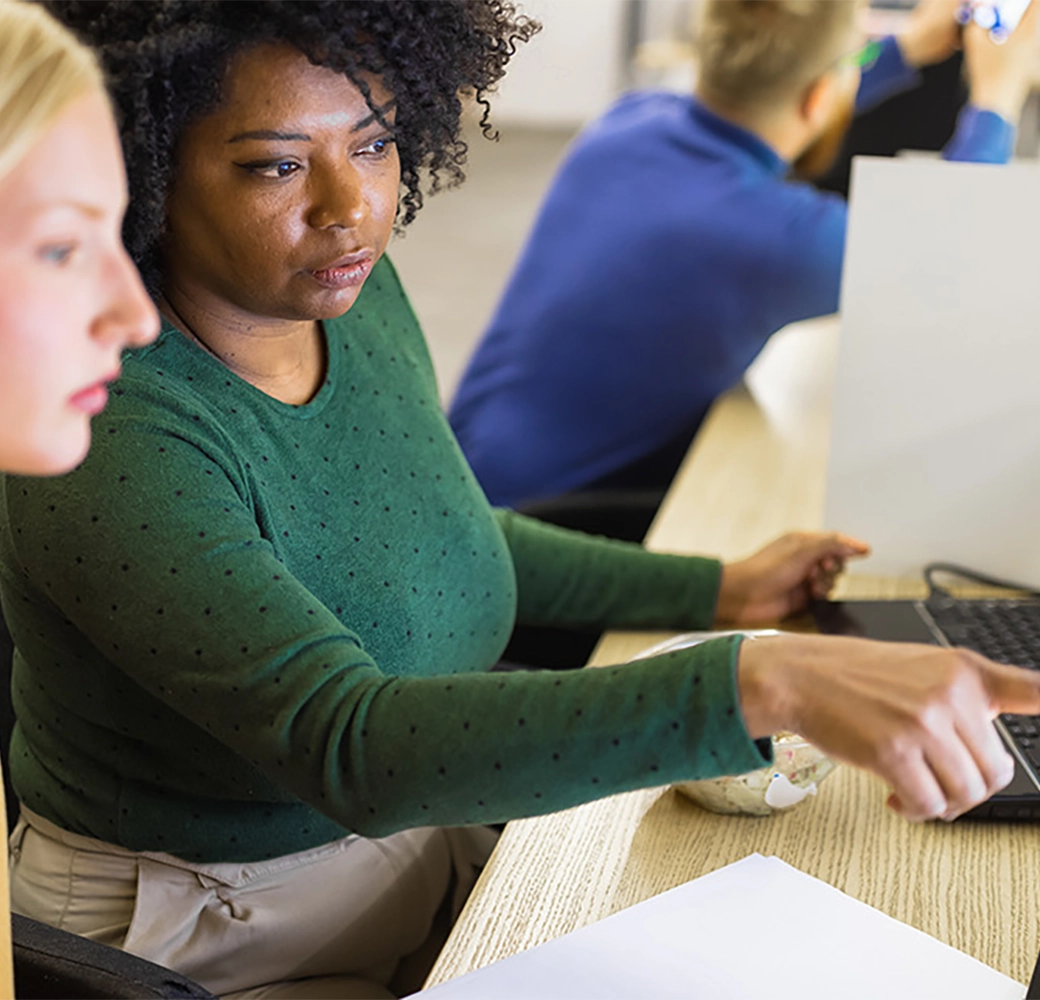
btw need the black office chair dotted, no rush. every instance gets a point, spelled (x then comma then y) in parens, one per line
(615, 513)
(51, 963)
(7, 720)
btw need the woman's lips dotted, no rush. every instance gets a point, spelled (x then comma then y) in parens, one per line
(94, 398)
(91, 400)
(351, 271)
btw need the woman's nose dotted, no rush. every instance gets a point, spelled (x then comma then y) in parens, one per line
(338, 198)
(128, 315)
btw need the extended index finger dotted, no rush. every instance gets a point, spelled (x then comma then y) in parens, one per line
(833, 544)
(1010, 689)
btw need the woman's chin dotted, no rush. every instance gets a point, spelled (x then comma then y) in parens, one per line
(321, 302)
(48, 453)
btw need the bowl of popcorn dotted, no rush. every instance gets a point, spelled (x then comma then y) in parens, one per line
(796, 772)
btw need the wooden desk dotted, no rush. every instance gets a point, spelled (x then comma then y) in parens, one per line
(757, 469)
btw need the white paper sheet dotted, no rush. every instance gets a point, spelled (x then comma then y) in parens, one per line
(757, 928)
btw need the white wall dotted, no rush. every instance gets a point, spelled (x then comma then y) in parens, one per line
(570, 71)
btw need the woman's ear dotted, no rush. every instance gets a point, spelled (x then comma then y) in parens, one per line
(818, 100)
(825, 113)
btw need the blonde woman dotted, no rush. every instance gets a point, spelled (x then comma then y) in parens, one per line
(70, 299)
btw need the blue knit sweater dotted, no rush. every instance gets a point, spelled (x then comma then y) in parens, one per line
(669, 249)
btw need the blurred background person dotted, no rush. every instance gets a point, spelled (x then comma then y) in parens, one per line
(673, 243)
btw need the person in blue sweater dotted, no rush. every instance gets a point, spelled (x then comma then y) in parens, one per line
(673, 243)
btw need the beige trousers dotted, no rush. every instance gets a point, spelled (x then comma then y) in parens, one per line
(351, 919)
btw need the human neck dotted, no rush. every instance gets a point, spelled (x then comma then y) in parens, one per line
(283, 358)
(781, 130)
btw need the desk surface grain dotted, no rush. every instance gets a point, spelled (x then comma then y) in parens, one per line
(756, 470)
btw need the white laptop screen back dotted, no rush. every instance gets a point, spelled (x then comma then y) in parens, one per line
(935, 443)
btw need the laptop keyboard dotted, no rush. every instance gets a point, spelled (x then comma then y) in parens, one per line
(1007, 631)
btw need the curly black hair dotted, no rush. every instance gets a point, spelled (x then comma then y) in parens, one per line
(166, 61)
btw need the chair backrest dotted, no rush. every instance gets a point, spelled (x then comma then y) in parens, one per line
(52, 963)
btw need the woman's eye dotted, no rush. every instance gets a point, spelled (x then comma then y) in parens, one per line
(278, 170)
(378, 148)
(58, 254)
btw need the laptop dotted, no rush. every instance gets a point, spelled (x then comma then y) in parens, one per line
(935, 435)
(1005, 630)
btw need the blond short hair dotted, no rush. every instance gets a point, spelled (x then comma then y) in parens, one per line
(43, 69)
(756, 54)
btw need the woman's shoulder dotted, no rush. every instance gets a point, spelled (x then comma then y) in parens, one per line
(163, 405)
(165, 381)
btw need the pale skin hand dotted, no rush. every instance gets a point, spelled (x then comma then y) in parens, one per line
(932, 33)
(782, 578)
(999, 76)
(919, 717)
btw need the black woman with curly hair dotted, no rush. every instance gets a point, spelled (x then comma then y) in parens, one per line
(258, 730)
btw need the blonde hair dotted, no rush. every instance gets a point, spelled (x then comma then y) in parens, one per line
(754, 55)
(43, 69)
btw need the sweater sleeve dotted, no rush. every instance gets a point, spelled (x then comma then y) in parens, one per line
(189, 601)
(572, 579)
(889, 75)
(802, 274)
(981, 137)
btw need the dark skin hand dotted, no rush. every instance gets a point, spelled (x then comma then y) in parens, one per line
(920, 717)
(782, 578)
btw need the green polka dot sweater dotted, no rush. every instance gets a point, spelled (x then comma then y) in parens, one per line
(246, 628)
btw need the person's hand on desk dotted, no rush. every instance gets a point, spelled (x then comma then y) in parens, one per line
(920, 717)
(782, 578)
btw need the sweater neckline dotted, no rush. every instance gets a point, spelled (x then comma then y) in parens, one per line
(735, 135)
(311, 408)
